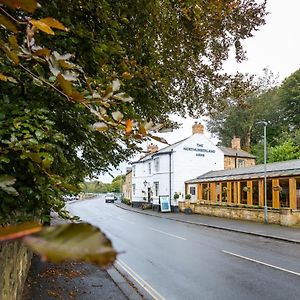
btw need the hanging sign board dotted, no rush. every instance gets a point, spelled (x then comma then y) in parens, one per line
(164, 203)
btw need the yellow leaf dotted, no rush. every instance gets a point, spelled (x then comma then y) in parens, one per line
(11, 54)
(7, 78)
(42, 26)
(65, 85)
(3, 77)
(44, 52)
(28, 5)
(8, 24)
(13, 42)
(53, 23)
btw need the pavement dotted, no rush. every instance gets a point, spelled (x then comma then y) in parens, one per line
(80, 281)
(272, 231)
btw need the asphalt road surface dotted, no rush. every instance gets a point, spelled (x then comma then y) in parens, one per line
(181, 261)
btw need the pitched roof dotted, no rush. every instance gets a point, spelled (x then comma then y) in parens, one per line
(161, 151)
(282, 168)
(235, 152)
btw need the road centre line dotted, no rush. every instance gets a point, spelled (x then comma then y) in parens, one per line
(152, 292)
(262, 263)
(166, 233)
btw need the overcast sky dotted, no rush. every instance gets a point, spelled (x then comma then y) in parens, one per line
(275, 46)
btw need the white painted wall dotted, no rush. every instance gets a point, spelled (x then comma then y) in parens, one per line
(188, 161)
(187, 165)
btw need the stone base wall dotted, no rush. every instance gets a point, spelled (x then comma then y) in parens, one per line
(15, 259)
(283, 216)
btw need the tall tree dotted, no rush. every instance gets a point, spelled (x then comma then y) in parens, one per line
(66, 112)
(289, 94)
(243, 119)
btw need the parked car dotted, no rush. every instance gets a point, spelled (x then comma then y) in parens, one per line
(110, 198)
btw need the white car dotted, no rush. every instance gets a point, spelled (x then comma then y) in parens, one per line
(110, 198)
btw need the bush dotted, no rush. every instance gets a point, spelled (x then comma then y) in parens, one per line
(188, 196)
(126, 201)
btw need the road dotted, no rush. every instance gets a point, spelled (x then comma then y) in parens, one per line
(182, 261)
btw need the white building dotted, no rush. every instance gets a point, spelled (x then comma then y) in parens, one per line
(163, 172)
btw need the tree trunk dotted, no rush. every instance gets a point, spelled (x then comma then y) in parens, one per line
(15, 259)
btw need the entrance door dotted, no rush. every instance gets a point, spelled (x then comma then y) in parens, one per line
(193, 192)
(149, 195)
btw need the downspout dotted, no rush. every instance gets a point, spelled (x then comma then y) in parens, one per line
(170, 175)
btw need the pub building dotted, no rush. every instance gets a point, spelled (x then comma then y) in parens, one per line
(243, 188)
(162, 173)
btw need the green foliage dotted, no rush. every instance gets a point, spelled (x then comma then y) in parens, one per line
(64, 83)
(242, 119)
(126, 201)
(286, 151)
(289, 94)
(188, 196)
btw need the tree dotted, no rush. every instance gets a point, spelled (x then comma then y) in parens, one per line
(66, 112)
(289, 94)
(242, 120)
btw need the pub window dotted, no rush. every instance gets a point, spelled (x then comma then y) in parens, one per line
(156, 164)
(205, 191)
(269, 193)
(255, 192)
(133, 170)
(218, 191)
(149, 167)
(224, 192)
(283, 188)
(192, 190)
(156, 189)
(298, 192)
(244, 192)
(133, 189)
(241, 163)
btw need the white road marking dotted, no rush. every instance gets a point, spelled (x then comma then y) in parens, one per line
(153, 293)
(262, 263)
(169, 234)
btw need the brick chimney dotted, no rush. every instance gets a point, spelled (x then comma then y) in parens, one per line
(152, 148)
(236, 143)
(198, 128)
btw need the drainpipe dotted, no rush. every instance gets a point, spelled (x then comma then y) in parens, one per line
(170, 175)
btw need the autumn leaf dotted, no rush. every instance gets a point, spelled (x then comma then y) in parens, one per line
(8, 24)
(53, 23)
(28, 5)
(159, 139)
(43, 52)
(73, 242)
(65, 85)
(13, 42)
(7, 78)
(42, 26)
(128, 126)
(17, 231)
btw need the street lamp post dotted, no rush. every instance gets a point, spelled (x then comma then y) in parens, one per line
(265, 174)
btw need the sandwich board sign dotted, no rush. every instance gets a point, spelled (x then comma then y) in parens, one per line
(164, 203)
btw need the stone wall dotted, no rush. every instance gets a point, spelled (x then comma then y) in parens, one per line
(284, 216)
(15, 261)
(229, 162)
